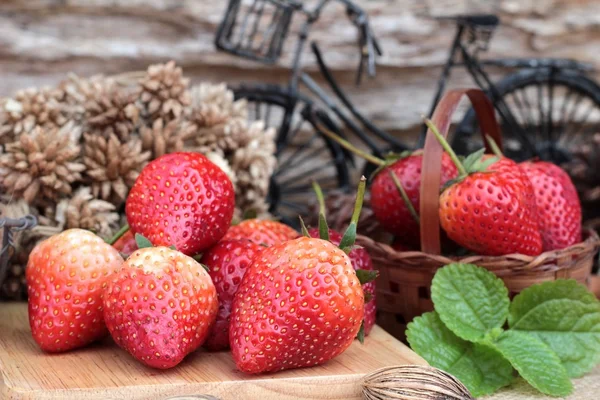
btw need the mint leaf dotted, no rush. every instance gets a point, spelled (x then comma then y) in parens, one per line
(478, 366)
(470, 300)
(565, 316)
(535, 361)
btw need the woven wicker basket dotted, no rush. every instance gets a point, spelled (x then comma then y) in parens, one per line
(403, 288)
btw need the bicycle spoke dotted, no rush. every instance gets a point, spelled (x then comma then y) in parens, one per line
(540, 96)
(267, 118)
(284, 165)
(307, 157)
(574, 134)
(257, 114)
(300, 189)
(293, 206)
(306, 173)
(550, 112)
(563, 111)
(530, 117)
(522, 112)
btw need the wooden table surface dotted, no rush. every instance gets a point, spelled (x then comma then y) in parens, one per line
(104, 371)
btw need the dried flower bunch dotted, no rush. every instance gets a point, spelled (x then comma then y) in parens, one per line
(70, 154)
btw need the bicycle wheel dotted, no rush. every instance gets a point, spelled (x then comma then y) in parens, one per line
(303, 154)
(556, 111)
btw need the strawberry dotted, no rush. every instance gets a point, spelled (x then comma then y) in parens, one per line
(126, 244)
(489, 208)
(66, 274)
(227, 262)
(390, 209)
(263, 232)
(300, 304)
(160, 306)
(181, 199)
(558, 207)
(360, 260)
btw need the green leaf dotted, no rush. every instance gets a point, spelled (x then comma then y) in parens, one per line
(565, 316)
(323, 228)
(142, 242)
(361, 333)
(478, 366)
(535, 361)
(366, 276)
(470, 300)
(172, 247)
(368, 297)
(486, 164)
(471, 160)
(303, 228)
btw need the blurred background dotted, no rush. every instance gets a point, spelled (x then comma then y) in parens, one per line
(42, 41)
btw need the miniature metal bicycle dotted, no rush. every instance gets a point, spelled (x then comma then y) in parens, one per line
(544, 108)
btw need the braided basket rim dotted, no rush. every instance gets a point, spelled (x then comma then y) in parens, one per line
(553, 260)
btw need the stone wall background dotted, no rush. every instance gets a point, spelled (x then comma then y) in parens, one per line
(42, 40)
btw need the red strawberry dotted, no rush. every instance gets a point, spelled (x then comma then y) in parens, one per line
(300, 304)
(227, 262)
(388, 206)
(360, 260)
(160, 306)
(263, 232)
(181, 199)
(65, 278)
(490, 209)
(126, 244)
(558, 207)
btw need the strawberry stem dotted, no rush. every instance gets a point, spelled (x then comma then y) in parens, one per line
(494, 146)
(404, 195)
(350, 235)
(323, 228)
(118, 235)
(349, 146)
(461, 169)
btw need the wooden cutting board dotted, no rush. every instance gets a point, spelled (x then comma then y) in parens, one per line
(106, 372)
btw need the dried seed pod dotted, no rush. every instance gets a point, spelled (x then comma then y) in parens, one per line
(413, 382)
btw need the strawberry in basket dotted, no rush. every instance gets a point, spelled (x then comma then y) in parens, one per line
(558, 206)
(490, 207)
(395, 191)
(395, 195)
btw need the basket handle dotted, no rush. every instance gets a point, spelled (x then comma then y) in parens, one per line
(432, 158)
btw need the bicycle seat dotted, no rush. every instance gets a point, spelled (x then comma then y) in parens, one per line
(483, 20)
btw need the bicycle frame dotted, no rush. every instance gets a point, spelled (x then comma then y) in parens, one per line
(299, 77)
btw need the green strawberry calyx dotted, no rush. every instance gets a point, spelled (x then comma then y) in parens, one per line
(471, 164)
